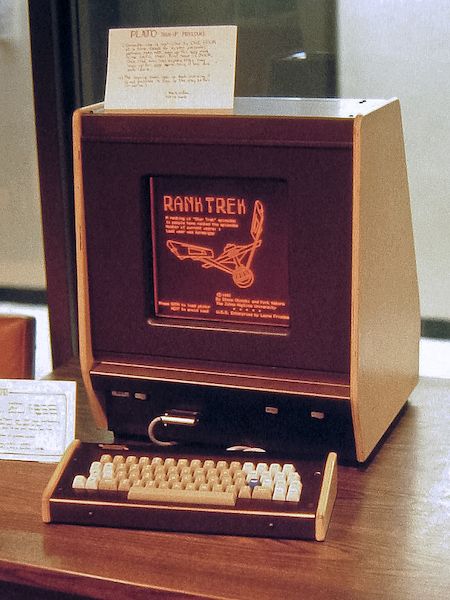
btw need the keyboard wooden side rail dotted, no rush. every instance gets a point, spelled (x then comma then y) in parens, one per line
(243, 493)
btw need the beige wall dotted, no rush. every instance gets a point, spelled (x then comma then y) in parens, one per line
(402, 48)
(21, 253)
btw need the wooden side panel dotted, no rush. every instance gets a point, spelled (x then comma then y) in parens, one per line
(84, 317)
(55, 478)
(327, 497)
(385, 306)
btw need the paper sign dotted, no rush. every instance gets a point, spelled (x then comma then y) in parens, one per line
(37, 419)
(171, 68)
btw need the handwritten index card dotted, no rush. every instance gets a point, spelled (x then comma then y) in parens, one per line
(171, 68)
(37, 419)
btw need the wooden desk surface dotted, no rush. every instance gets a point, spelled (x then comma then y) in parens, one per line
(389, 536)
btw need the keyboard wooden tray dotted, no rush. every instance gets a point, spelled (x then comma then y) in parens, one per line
(306, 519)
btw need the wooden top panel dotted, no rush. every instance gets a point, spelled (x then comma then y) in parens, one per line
(322, 108)
(262, 121)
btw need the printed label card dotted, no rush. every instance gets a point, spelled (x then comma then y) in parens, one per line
(37, 419)
(171, 69)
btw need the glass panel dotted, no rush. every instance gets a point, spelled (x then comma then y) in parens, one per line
(285, 47)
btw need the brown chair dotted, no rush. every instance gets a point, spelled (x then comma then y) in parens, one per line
(17, 346)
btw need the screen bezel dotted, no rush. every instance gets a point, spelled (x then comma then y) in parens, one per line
(319, 182)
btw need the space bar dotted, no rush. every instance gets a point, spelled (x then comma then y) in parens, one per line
(189, 496)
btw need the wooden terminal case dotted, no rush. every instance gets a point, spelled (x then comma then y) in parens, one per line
(308, 342)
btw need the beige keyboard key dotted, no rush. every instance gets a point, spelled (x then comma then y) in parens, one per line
(108, 471)
(205, 487)
(124, 485)
(107, 484)
(92, 482)
(245, 492)
(294, 492)
(79, 482)
(96, 468)
(261, 493)
(279, 493)
(188, 496)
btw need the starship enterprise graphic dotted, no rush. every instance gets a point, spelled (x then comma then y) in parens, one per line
(235, 259)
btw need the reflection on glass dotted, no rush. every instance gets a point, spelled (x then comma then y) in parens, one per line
(285, 47)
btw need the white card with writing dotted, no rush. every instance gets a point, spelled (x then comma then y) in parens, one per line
(171, 68)
(37, 419)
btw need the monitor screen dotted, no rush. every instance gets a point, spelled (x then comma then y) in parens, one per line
(220, 249)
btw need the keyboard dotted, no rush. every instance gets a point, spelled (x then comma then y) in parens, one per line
(234, 492)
